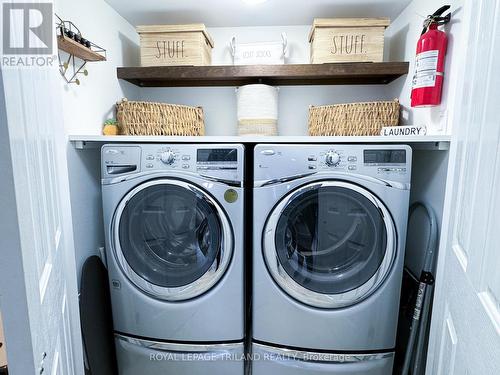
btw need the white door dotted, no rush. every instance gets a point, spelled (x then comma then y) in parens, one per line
(37, 270)
(465, 330)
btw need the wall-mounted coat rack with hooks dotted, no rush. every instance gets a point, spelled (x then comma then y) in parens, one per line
(78, 49)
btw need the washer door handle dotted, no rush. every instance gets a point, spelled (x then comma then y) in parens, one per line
(119, 169)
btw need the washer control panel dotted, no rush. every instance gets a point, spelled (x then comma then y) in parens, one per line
(162, 157)
(391, 162)
(218, 161)
(387, 160)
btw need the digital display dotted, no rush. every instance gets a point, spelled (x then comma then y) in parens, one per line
(384, 156)
(217, 155)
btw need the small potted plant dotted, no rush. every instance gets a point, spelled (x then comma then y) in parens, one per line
(110, 127)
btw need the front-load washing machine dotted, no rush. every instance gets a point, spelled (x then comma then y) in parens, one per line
(173, 218)
(329, 238)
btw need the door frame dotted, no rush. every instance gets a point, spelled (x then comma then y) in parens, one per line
(469, 70)
(13, 299)
(14, 295)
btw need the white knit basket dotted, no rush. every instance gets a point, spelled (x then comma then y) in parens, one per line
(257, 110)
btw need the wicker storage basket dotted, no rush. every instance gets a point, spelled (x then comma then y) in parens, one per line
(353, 118)
(145, 118)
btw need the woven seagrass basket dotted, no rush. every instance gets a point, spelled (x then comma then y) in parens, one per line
(353, 118)
(146, 118)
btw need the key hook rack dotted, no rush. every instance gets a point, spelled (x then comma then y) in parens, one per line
(78, 49)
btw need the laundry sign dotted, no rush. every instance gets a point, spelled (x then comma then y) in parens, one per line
(403, 131)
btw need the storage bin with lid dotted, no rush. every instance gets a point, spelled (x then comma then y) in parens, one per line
(175, 45)
(347, 40)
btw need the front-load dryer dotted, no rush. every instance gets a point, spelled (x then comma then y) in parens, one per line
(329, 238)
(173, 218)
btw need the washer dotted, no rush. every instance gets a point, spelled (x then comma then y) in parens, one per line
(329, 238)
(173, 217)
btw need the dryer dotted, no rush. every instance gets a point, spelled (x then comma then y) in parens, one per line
(329, 238)
(173, 217)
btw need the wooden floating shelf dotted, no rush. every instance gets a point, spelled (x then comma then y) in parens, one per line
(76, 49)
(276, 75)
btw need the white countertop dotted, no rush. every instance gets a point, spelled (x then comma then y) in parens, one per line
(440, 142)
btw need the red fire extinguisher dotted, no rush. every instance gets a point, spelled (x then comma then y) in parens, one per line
(427, 81)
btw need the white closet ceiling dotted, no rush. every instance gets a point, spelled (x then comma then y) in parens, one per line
(231, 13)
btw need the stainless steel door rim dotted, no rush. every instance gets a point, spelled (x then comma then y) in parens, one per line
(308, 296)
(197, 287)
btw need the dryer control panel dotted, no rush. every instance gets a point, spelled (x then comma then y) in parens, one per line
(221, 161)
(386, 162)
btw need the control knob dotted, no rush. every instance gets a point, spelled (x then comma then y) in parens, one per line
(332, 159)
(167, 157)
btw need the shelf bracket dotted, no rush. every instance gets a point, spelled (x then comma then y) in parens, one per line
(431, 146)
(84, 145)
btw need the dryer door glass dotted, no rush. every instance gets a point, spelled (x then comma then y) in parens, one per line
(170, 235)
(330, 239)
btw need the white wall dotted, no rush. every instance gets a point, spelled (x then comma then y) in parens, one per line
(219, 103)
(84, 170)
(429, 170)
(402, 36)
(87, 106)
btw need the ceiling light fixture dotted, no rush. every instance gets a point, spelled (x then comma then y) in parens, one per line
(254, 2)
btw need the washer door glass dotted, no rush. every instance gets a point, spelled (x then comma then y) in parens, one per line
(330, 239)
(171, 236)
